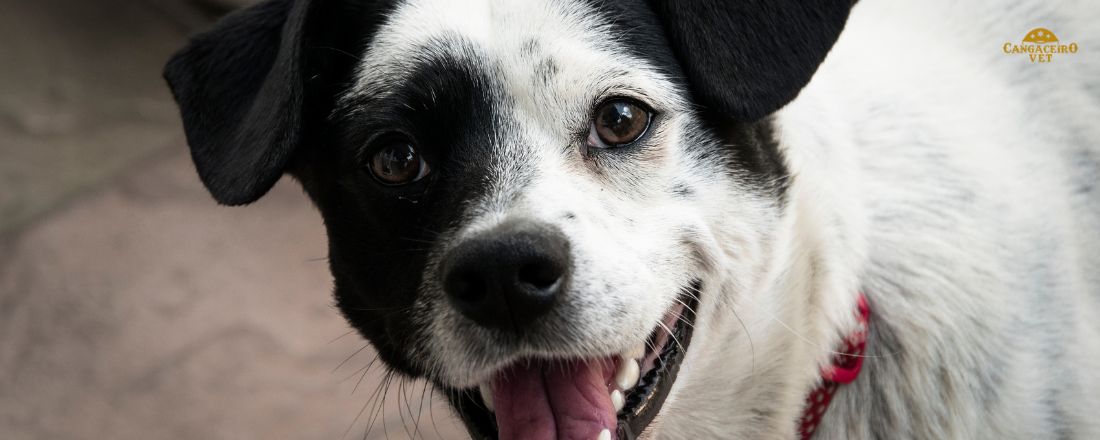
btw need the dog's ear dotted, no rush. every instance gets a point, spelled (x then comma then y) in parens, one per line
(747, 58)
(239, 87)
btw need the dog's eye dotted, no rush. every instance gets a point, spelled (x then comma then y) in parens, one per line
(398, 163)
(618, 122)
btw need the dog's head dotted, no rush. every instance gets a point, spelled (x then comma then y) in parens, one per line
(539, 198)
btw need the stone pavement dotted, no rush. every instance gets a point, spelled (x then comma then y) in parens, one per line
(131, 306)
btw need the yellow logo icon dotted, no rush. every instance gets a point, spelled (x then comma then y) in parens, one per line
(1040, 45)
(1040, 36)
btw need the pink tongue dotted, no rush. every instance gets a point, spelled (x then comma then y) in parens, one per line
(549, 400)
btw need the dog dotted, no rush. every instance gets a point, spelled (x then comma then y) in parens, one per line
(692, 219)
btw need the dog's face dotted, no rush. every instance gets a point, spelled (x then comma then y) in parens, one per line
(533, 204)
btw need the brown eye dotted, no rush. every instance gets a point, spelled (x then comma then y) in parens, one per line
(618, 122)
(398, 163)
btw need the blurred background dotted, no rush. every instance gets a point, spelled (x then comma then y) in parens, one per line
(131, 305)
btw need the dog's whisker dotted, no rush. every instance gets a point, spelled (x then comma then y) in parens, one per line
(685, 305)
(356, 373)
(672, 336)
(432, 402)
(683, 320)
(748, 334)
(385, 397)
(680, 320)
(355, 420)
(344, 335)
(813, 344)
(379, 408)
(339, 51)
(402, 394)
(365, 370)
(435, 234)
(362, 373)
(410, 393)
(431, 410)
(360, 350)
(416, 240)
(373, 402)
(420, 411)
(650, 347)
(694, 292)
(359, 415)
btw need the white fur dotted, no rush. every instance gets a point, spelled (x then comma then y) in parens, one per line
(943, 165)
(931, 171)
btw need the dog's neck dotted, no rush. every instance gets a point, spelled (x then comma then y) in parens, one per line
(788, 321)
(845, 368)
(824, 258)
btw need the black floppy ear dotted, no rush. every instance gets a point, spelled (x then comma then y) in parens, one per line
(747, 58)
(239, 87)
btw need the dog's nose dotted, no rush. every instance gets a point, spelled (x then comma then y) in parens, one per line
(506, 277)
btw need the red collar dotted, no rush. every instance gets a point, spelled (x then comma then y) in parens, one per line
(844, 369)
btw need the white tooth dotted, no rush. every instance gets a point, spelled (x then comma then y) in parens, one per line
(637, 352)
(604, 435)
(627, 376)
(617, 400)
(486, 395)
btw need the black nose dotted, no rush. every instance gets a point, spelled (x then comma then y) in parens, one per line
(506, 277)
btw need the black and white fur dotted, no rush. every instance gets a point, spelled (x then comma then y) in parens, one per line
(954, 185)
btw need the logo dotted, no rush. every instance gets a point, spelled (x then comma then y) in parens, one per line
(1040, 45)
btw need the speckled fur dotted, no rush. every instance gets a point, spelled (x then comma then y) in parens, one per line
(947, 181)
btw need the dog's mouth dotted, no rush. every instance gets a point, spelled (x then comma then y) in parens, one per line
(583, 399)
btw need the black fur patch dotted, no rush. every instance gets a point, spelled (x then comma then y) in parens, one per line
(239, 89)
(746, 59)
(380, 236)
(754, 152)
(242, 87)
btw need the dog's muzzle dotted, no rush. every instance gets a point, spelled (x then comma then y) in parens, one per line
(507, 279)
